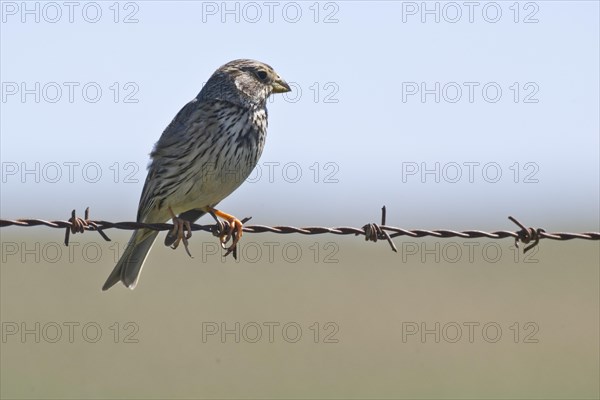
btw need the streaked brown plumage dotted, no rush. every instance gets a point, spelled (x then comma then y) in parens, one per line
(207, 151)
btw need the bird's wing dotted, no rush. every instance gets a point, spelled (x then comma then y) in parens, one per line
(170, 145)
(176, 143)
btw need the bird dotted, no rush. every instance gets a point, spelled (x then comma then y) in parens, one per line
(207, 151)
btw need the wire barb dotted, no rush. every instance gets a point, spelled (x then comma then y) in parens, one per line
(526, 235)
(373, 232)
(79, 225)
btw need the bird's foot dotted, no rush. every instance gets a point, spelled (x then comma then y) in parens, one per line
(234, 232)
(180, 226)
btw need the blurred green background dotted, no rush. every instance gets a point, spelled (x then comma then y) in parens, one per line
(349, 130)
(366, 300)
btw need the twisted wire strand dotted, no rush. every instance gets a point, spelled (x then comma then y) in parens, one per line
(371, 232)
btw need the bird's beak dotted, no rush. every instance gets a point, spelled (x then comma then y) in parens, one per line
(280, 86)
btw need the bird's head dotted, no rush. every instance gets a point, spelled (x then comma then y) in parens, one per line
(244, 82)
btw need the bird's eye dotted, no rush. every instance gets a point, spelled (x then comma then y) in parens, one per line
(262, 75)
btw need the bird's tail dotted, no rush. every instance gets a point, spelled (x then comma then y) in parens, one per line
(129, 267)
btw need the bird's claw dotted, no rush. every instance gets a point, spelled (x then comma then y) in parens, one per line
(233, 232)
(230, 229)
(180, 226)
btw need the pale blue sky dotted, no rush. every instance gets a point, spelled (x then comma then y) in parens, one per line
(353, 115)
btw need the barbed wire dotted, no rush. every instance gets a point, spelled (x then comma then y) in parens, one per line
(372, 231)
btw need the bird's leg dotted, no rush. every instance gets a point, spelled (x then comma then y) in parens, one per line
(179, 227)
(234, 225)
